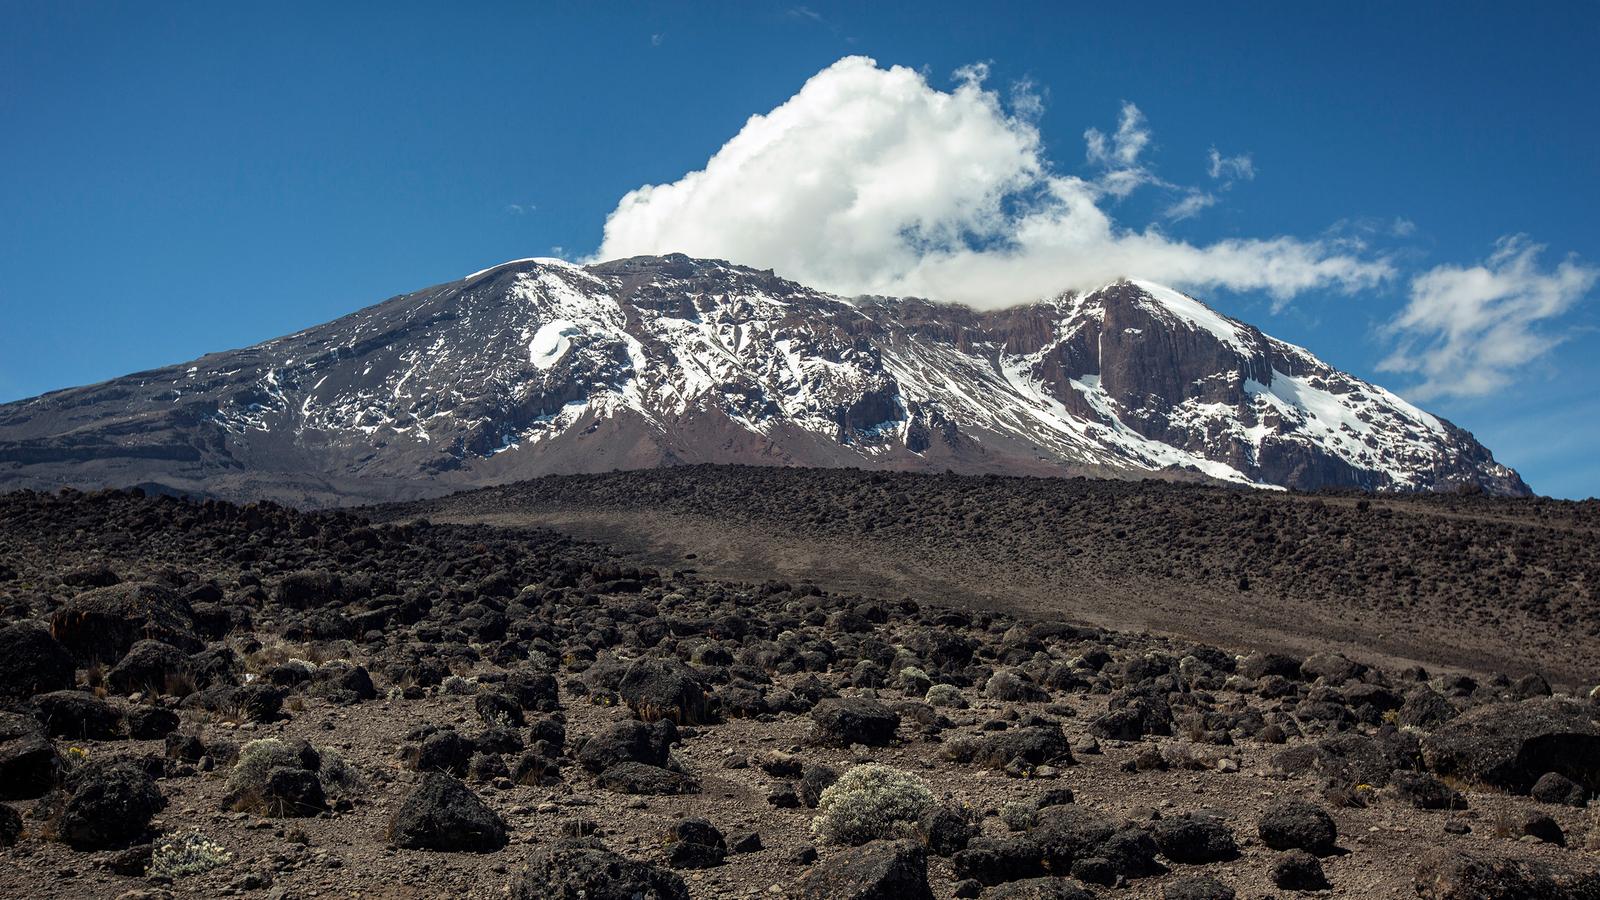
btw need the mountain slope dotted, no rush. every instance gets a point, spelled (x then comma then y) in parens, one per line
(540, 366)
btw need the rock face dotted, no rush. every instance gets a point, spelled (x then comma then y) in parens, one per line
(540, 366)
(1512, 746)
(1446, 875)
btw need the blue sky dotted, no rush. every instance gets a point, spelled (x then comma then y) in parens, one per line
(179, 178)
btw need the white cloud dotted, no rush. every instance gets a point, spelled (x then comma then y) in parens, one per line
(869, 180)
(1193, 203)
(1120, 150)
(1467, 330)
(1230, 168)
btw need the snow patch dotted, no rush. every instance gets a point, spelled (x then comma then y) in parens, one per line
(551, 342)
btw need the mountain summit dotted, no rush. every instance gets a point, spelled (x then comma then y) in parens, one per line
(539, 366)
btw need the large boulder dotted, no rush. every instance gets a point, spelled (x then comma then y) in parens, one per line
(111, 806)
(444, 814)
(1030, 744)
(1195, 839)
(101, 625)
(308, 589)
(77, 714)
(1453, 875)
(639, 778)
(842, 722)
(154, 667)
(584, 871)
(664, 689)
(881, 870)
(29, 763)
(1512, 745)
(32, 662)
(628, 742)
(694, 843)
(1298, 825)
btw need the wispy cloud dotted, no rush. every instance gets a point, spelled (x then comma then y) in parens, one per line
(871, 180)
(1468, 330)
(1229, 168)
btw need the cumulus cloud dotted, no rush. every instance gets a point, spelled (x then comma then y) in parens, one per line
(871, 180)
(1467, 330)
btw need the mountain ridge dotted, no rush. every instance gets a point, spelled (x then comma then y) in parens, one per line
(537, 366)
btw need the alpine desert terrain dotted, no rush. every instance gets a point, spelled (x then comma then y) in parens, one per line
(205, 699)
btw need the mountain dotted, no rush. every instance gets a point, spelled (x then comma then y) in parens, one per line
(540, 366)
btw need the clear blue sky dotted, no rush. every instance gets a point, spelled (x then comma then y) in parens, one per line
(179, 178)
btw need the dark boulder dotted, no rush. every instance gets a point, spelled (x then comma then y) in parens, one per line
(1453, 875)
(628, 742)
(444, 814)
(581, 871)
(79, 715)
(153, 667)
(1195, 839)
(441, 751)
(110, 806)
(1297, 870)
(1425, 708)
(10, 826)
(664, 689)
(842, 722)
(1512, 745)
(498, 709)
(1553, 787)
(1298, 825)
(101, 625)
(881, 870)
(992, 859)
(149, 723)
(32, 662)
(1046, 888)
(1424, 791)
(305, 589)
(29, 763)
(291, 791)
(640, 778)
(1332, 668)
(694, 844)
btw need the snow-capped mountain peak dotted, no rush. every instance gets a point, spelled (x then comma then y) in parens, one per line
(540, 365)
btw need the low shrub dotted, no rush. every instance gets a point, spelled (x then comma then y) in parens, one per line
(868, 803)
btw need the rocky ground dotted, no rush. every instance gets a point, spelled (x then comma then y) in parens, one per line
(1455, 580)
(210, 700)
